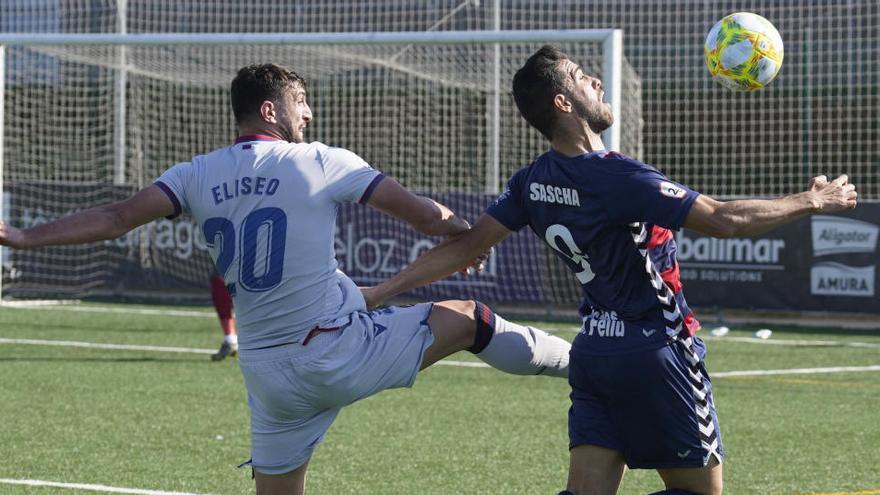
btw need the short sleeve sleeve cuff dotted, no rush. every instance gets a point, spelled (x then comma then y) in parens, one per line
(686, 206)
(499, 215)
(507, 210)
(171, 196)
(349, 178)
(370, 188)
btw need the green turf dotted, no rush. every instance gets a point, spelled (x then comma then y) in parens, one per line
(179, 422)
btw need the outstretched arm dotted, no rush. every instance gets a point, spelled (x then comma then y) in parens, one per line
(444, 259)
(95, 224)
(423, 214)
(743, 218)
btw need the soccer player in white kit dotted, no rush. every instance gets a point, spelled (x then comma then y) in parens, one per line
(307, 344)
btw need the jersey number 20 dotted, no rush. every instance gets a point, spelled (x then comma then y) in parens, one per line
(266, 258)
(558, 232)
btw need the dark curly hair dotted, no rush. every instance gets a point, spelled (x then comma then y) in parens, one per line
(255, 84)
(536, 84)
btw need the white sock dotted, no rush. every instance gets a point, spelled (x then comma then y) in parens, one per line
(521, 350)
(231, 339)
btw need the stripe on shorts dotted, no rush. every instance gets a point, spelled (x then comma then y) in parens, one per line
(702, 399)
(674, 325)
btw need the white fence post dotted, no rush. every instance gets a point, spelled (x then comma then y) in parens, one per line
(613, 82)
(120, 98)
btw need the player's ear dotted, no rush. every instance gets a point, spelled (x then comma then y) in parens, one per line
(267, 112)
(561, 103)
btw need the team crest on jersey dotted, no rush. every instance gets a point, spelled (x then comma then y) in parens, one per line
(671, 190)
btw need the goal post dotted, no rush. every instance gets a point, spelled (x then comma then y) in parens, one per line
(3, 211)
(346, 38)
(97, 116)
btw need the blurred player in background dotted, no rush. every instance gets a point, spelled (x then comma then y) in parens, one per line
(641, 396)
(223, 306)
(307, 345)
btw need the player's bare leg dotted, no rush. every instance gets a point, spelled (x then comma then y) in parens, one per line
(506, 346)
(292, 483)
(223, 306)
(595, 470)
(704, 481)
(453, 330)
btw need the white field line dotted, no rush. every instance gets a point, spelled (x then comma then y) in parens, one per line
(98, 345)
(46, 306)
(803, 343)
(791, 342)
(39, 302)
(445, 362)
(857, 492)
(93, 488)
(152, 348)
(795, 371)
(463, 364)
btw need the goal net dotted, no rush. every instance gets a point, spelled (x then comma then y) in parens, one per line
(421, 114)
(87, 124)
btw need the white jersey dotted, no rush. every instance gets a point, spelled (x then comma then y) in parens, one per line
(267, 209)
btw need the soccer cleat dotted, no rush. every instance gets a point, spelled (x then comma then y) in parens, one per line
(226, 350)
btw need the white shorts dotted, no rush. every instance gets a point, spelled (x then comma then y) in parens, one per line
(296, 391)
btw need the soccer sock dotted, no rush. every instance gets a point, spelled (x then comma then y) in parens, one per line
(223, 305)
(518, 349)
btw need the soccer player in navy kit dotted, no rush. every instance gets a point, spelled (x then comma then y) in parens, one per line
(640, 394)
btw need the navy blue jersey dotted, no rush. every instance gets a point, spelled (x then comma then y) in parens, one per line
(608, 216)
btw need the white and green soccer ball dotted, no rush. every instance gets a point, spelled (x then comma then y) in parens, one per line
(744, 51)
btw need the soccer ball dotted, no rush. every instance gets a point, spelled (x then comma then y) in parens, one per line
(744, 51)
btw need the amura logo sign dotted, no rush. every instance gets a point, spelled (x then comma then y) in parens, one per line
(835, 235)
(836, 279)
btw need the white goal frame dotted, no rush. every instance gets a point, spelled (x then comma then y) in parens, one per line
(611, 39)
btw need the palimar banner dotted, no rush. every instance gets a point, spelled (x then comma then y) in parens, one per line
(819, 263)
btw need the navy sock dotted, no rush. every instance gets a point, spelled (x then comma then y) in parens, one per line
(485, 327)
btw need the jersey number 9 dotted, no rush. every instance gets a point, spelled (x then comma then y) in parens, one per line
(569, 249)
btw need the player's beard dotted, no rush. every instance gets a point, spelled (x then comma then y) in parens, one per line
(289, 129)
(596, 114)
(288, 132)
(295, 136)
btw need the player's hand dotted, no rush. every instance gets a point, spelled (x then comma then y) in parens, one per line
(11, 236)
(475, 266)
(818, 182)
(837, 195)
(372, 297)
(478, 265)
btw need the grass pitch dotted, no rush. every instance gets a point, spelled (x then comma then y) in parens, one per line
(177, 422)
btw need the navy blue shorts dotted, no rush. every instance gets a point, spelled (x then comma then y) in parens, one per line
(655, 406)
